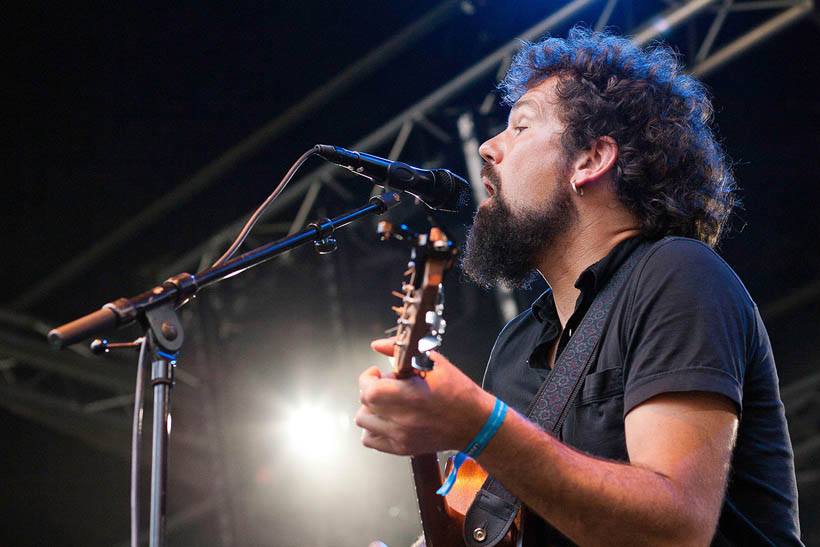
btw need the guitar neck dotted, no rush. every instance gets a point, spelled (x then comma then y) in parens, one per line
(439, 528)
(420, 324)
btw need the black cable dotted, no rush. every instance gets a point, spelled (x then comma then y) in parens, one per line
(136, 436)
(258, 213)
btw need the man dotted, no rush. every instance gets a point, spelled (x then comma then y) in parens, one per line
(678, 436)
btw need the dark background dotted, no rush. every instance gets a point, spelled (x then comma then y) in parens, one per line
(111, 107)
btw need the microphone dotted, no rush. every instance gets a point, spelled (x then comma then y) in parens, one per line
(437, 188)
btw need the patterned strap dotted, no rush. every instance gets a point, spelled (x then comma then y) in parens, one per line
(494, 508)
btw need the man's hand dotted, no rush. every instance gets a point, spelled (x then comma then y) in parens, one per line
(442, 411)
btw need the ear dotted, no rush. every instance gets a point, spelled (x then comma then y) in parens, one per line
(596, 161)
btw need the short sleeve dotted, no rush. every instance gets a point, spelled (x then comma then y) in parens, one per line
(688, 325)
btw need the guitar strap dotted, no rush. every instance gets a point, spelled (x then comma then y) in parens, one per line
(494, 508)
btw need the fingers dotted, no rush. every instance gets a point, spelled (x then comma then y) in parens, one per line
(382, 444)
(371, 384)
(367, 420)
(386, 392)
(381, 434)
(372, 373)
(439, 359)
(384, 346)
(367, 380)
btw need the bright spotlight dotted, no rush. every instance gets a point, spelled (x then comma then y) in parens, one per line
(661, 25)
(315, 432)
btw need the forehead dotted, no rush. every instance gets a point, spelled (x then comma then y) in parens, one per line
(540, 98)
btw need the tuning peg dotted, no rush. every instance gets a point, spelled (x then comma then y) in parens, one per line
(428, 343)
(436, 322)
(422, 363)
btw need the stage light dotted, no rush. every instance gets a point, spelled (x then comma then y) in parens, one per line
(315, 432)
(661, 25)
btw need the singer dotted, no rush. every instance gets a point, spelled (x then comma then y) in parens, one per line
(609, 183)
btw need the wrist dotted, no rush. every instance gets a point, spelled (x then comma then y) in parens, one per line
(477, 444)
(488, 431)
(481, 410)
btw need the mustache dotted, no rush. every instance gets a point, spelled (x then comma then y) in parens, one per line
(488, 172)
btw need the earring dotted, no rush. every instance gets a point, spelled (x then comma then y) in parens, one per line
(579, 191)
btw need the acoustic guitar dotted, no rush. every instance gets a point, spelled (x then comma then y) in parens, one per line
(420, 325)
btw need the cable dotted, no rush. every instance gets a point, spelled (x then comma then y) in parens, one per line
(136, 435)
(258, 213)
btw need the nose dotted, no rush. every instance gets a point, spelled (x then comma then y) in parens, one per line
(492, 150)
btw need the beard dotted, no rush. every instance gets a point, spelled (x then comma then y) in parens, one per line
(502, 246)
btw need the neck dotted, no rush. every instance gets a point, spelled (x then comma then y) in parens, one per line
(584, 245)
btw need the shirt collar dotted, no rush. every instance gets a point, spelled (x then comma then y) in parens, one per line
(589, 282)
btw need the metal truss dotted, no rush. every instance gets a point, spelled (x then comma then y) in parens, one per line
(710, 53)
(90, 398)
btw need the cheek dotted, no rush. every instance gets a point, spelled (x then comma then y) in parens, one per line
(523, 186)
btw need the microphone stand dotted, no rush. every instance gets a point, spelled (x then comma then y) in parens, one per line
(155, 311)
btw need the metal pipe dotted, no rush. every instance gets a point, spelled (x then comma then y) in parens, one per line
(669, 20)
(751, 38)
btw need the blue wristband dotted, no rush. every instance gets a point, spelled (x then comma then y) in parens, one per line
(476, 445)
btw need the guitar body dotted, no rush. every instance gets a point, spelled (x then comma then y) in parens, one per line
(442, 517)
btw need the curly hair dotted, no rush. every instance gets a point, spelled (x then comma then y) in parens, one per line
(670, 172)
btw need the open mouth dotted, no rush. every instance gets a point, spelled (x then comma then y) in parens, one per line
(489, 187)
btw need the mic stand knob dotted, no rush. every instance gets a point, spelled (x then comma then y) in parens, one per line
(98, 347)
(326, 245)
(324, 242)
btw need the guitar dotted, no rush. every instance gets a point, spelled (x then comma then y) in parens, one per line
(420, 325)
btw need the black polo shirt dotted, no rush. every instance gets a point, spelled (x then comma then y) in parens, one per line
(682, 322)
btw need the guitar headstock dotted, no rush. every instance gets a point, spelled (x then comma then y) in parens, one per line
(420, 322)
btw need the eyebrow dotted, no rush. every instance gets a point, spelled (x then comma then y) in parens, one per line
(525, 103)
